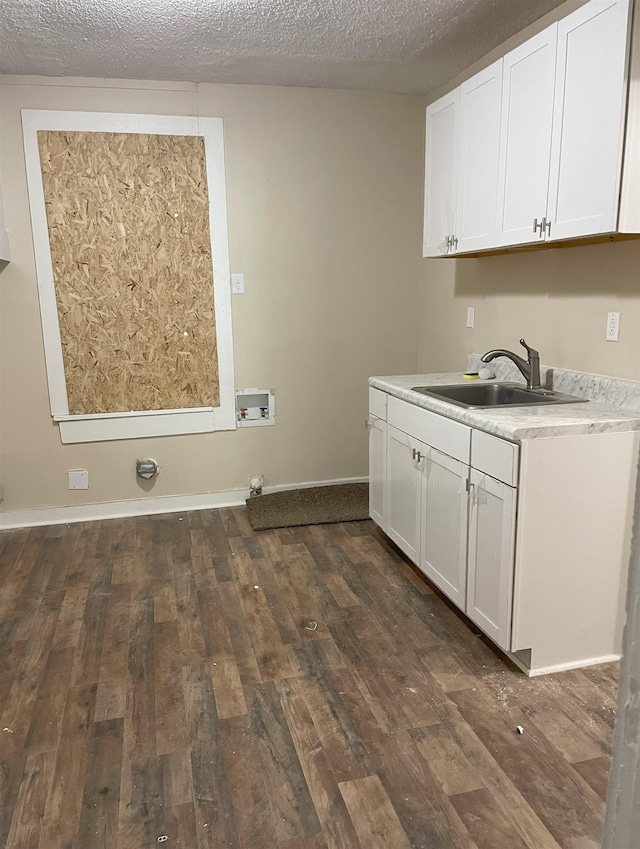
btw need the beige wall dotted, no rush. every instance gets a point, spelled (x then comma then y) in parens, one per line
(324, 200)
(557, 299)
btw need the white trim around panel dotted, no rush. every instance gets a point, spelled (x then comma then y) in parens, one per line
(135, 424)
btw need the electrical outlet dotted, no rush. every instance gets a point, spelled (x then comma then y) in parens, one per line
(78, 479)
(613, 327)
(237, 284)
(471, 316)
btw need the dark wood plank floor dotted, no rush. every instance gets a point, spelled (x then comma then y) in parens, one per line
(181, 676)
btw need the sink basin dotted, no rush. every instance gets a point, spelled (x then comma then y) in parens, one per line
(496, 395)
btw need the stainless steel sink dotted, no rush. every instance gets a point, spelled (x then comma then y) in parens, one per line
(496, 395)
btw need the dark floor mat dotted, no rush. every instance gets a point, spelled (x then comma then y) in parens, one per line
(315, 505)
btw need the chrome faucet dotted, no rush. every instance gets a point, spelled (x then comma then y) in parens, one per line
(530, 367)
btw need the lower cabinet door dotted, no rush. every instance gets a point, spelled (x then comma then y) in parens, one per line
(404, 462)
(444, 524)
(492, 517)
(377, 471)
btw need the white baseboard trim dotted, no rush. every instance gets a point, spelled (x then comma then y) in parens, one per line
(143, 506)
(562, 667)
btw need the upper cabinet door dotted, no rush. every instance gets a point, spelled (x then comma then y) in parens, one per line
(441, 169)
(525, 138)
(588, 120)
(480, 107)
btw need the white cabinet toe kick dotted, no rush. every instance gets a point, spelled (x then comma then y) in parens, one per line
(529, 540)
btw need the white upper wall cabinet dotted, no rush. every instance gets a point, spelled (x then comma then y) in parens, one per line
(537, 152)
(441, 174)
(525, 138)
(480, 109)
(588, 121)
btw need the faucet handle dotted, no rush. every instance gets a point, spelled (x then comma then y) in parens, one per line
(531, 352)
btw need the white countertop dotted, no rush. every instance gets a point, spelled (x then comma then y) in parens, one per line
(513, 423)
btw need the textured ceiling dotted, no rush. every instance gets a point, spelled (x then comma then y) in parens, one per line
(410, 46)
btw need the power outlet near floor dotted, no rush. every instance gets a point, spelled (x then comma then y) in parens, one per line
(78, 479)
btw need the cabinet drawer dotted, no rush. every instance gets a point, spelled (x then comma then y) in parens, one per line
(450, 437)
(378, 403)
(495, 457)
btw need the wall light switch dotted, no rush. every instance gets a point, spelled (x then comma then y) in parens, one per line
(471, 316)
(237, 284)
(613, 327)
(78, 479)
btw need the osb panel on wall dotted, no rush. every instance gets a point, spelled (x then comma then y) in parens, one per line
(128, 219)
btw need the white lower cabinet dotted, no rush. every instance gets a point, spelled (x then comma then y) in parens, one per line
(377, 470)
(377, 427)
(404, 472)
(427, 510)
(443, 550)
(531, 540)
(455, 522)
(492, 527)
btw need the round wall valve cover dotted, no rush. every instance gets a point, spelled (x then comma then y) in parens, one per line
(146, 468)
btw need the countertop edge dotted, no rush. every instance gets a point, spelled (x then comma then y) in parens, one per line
(513, 423)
